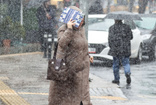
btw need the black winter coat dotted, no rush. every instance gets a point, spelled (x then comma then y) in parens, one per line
(119, 40)
(43, 21)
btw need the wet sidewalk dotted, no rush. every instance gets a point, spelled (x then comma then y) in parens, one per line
(23, 82)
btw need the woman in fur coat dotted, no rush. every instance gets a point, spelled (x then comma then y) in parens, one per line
(73, 46)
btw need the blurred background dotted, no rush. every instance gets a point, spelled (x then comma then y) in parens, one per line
(18, 21)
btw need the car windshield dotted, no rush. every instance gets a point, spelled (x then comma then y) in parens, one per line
(147, 23)
(100, 24)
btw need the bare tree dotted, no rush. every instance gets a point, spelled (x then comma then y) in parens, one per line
(108, 6)
(131, 3)
(122, 2)
(142, 6)
(150, 6)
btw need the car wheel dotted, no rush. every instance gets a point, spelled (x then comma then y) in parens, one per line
(152, 54)
(139, 57)
(109, 63)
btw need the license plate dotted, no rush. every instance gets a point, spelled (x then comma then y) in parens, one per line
(91, 50)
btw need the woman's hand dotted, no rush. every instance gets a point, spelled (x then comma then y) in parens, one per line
(70, 24)
(48, 16)
(91, 59)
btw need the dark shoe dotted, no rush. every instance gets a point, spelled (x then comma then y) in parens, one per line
(116, 82)
(81, 103)
(128, 79)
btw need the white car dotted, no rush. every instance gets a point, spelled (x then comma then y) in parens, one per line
(98, 38)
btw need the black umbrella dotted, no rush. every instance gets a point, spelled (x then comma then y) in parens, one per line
(123, 15)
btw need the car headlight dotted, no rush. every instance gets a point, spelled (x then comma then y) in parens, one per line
(146, 36)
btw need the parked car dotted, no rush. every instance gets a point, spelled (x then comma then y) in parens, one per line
(148, 32)
(98, 38)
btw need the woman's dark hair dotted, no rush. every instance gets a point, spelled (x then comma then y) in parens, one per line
(83, 22)
(118, 21)
(44, 3)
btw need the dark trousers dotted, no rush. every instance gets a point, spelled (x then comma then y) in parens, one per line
(46, 46)
(41, 38)
(125, 63)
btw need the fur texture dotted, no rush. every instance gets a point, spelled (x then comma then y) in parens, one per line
(76, 88)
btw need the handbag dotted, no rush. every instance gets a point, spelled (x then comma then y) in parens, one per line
(57, 69)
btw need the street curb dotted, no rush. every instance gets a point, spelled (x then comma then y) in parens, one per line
(19, 54)
(101, 83)
(104, 89)
(30, 47)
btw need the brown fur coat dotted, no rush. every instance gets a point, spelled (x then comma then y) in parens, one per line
(72, 45)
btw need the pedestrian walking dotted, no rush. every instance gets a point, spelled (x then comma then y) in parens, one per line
(73, 46)
(120, 48)
(46, 15)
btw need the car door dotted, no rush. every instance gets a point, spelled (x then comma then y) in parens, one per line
(137, 39)
(135, 43)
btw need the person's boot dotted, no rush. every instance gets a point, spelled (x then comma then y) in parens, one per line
(116, 82)
(128, 78)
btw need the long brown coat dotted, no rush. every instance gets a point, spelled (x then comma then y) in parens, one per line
(72, 45)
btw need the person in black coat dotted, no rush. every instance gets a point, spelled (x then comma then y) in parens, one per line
(120, 48)
(46, 15)
(96, 8)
